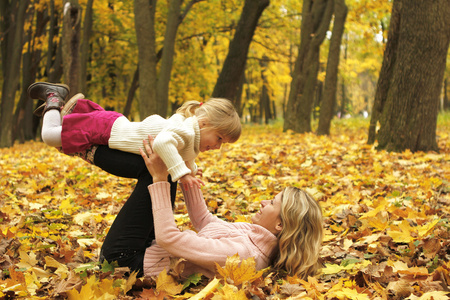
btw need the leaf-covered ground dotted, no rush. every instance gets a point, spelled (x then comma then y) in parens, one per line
(386, 219)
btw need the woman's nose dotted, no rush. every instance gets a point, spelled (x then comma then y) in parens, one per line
(263, 203)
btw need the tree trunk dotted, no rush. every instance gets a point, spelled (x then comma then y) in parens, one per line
(386, 71)
(409, 115)
(316, 18)
(13, 18)
(162, 88)
(133, 87)
(87, 30)
(446, 100)
(227, 84)
(329, 98)
(144, 11)
(71, 45)
(264, 103)
(23, 124)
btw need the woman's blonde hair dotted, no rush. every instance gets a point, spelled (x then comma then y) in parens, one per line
(218, 113)
(300, 239)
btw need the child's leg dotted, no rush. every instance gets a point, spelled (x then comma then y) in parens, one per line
(51, 128)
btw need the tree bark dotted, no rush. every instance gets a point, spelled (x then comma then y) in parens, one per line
(329, 98)
(227, 84)
(144, 11)
(87, 30)
(446, 100)
(131, 92)
(71, 45)
(316, 18)
(162, 88)
(386, 71)
(13, 18)
(23, 124)
(409, 115)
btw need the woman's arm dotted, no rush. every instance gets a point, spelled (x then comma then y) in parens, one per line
(204, 251)
(196, 206)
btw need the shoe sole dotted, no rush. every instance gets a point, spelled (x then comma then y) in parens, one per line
(60, 85)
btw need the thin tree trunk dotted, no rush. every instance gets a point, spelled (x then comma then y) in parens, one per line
(133, 87)
(316, 18)
(144, 11)
(162, 88)
(386, 72)
(329, 99)
(24, 125)
(71, 44)
(446, 100)
(87, 30)
(227, 84)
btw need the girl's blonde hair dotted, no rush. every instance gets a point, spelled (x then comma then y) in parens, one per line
(300, 240)
(218, 113)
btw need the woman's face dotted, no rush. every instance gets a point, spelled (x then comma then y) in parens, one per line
(269, 214)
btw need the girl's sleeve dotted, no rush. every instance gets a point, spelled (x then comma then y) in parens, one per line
(202, 251)
(166, 144)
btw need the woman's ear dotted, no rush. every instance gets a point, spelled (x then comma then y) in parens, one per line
(279, 227)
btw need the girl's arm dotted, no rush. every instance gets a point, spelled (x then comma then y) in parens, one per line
(166, 144)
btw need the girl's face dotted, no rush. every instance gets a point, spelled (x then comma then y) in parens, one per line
(210, 139)
(269, 214)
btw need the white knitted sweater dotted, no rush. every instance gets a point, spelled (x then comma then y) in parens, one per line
(176, 140)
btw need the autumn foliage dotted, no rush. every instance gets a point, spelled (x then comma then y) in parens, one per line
(386, 220)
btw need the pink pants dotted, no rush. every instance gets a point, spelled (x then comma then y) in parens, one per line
(88, 124)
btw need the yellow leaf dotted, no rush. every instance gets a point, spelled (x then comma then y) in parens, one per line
(230, 292)
(61, 269)
(239, 272)
(66, 207)
(130, 281)
(425, 229)
(167, 284)
(400, 237)
(351, 294)
(27, 260)
(212, 286)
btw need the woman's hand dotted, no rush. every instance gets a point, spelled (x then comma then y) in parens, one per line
(154, 163)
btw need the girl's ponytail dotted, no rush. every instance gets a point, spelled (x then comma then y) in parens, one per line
(188, 108)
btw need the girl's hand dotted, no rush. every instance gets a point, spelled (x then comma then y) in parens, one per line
(189, 181)
(199, 172)
(153, 162)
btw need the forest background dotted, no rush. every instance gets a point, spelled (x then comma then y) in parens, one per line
(198, 49)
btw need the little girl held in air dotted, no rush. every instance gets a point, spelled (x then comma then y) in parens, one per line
(195, 127)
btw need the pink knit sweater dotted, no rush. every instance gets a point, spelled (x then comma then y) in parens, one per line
(214, 242)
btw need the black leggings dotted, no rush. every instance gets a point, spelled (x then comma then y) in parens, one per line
(133, 230)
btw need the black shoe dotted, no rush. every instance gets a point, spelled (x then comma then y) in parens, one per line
(54, 94)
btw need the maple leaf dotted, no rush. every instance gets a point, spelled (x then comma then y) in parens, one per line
(239, 272)
(61, 269)
(167, 284)
(229, 292)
